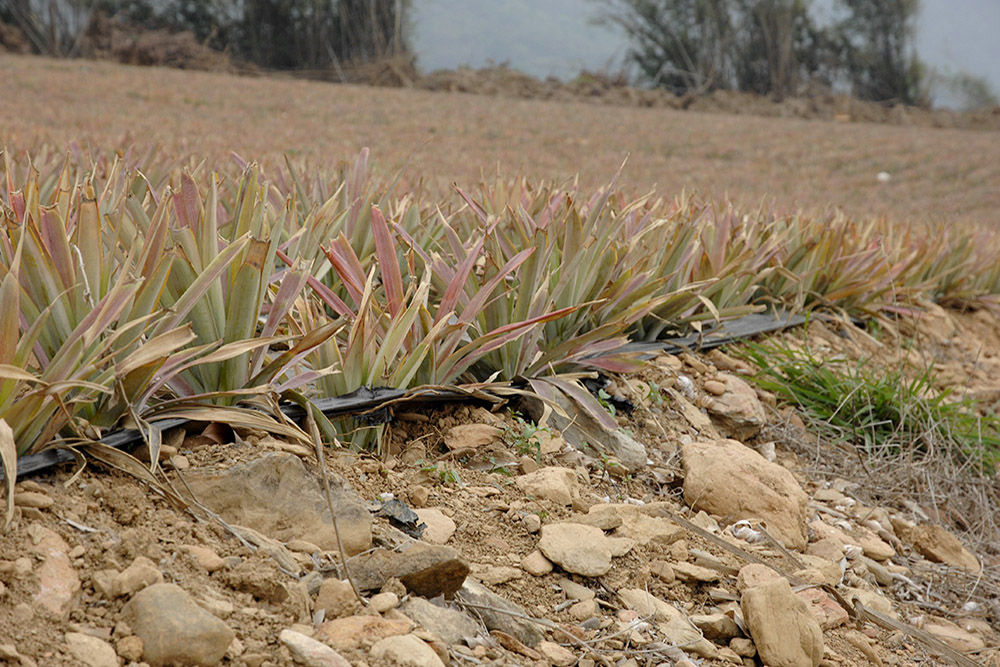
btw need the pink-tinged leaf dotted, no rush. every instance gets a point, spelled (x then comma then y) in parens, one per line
(468, 354)
(585, 400)
(478, 302)
(347, 265)
(240, 162)
(187, 203)
(412, 243)
(476, 208)
(454, 242)
(385, 250)
(612, 363)
(356, 189)
(304, 378)
(330, 298)
(547, 317)
(289, 289)
(53, 231)
(322, 291)
(463, 359)
(155, 242)
(456, 283)
(602, 347)
(104, 314)
(18, 204)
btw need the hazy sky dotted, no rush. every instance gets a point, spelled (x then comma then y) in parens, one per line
(556, 37)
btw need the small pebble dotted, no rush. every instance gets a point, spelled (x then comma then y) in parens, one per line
(383, 602)
(180, 462)
(715, 387)
(32, 499)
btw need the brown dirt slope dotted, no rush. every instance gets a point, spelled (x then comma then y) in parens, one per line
(936, 174)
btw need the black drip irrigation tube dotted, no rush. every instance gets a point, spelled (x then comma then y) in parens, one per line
(369, 400)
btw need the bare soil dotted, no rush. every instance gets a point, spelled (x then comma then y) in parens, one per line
(940, 176)
(107, 519)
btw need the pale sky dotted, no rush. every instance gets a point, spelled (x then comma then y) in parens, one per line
(556, 37)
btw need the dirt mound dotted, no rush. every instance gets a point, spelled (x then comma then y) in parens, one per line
(12, 40)
(818, 103)
(112, 39)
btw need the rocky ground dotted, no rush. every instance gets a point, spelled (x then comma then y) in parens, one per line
(712, 529)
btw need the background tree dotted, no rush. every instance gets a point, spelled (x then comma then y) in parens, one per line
(52, 28)
(274, 34)
(773, 47)
(677, 45)
(878, 52)
(776, 48)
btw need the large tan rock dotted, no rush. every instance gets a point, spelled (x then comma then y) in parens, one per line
(279, 497)
(406, 651)
(174, 629)
(352, 632)
(440, 526)
(727, 478)
(953, 635)
(576, 548)
(781, 625)
(553, 483)
(471, 436)
(737, 411)
(58, 582)
(91, 651)
(429, 570)
(648, 605)
(630, 521)
(938, 545)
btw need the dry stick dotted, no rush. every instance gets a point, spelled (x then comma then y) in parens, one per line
(155, 483)
(929, 640)
(781, 547)
(544, 622)
(318, 442)
(212, 515)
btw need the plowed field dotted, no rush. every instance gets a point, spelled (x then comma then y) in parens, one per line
(938, 175)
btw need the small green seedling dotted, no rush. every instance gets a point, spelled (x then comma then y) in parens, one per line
(604, 398)
(524, 437)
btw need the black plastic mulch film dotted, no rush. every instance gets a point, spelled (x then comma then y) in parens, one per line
(366, 400)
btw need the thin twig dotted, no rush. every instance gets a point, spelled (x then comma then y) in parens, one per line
(318, 442)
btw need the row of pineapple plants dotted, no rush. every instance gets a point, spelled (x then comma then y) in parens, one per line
(133, 289)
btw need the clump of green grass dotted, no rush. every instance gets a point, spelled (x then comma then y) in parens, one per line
(523, 437)
(881, 411)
